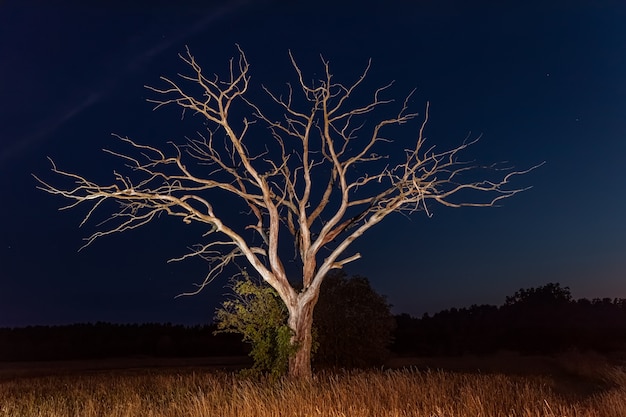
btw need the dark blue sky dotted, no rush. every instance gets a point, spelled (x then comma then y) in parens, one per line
(540, 83)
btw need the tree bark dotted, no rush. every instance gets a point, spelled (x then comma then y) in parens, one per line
(301, 322)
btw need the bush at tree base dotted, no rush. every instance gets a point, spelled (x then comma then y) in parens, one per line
(353, 325)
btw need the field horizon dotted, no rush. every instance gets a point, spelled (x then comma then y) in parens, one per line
(507, 384)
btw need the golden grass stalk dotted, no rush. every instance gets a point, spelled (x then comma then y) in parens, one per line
(351, 394)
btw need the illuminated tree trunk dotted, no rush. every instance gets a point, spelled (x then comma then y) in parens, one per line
(301, 323)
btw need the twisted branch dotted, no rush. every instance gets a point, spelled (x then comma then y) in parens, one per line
(324, 177)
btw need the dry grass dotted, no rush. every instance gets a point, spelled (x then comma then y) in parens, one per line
(171, 393)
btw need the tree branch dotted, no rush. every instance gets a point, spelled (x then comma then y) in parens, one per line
(323, 176)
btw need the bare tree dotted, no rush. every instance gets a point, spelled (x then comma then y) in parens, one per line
(321, 178)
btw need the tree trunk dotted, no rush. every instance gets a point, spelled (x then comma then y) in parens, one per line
(301, 322)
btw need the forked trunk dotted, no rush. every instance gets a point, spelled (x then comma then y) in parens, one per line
(301, 322)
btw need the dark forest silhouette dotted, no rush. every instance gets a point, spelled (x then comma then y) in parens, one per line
(106, 340)
(543, 320)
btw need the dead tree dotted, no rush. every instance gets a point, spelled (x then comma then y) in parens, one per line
(322, 178)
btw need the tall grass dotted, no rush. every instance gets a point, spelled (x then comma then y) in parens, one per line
(380, 394)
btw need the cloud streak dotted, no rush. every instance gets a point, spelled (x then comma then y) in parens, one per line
(65, 113)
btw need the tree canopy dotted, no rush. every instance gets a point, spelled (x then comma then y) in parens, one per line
(354, 323)
(312, 166)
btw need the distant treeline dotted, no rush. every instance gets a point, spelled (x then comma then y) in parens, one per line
(540, 320)
(533, 321)
(104, 340)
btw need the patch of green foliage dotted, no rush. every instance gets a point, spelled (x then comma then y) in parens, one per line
(257, 313)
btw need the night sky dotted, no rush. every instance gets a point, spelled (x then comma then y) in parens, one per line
(540, 83)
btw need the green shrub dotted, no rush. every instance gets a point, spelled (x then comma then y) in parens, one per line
(257, 313)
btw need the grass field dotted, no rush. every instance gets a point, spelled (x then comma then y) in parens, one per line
(579, 388)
